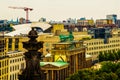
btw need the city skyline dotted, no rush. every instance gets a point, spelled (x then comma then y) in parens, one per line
(60, 9)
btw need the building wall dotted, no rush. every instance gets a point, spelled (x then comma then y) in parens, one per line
(73, 53)
(118, 22)
(85, 22)
(95, 46)
(16, 63)
(55, 73)
(103, 22)
(14, 43)
(3, 60)
(4, 69)
(112, 17)
(58, 27)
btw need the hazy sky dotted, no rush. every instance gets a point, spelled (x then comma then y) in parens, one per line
(60, 9)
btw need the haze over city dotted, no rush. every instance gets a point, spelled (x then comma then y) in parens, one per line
(60, 9)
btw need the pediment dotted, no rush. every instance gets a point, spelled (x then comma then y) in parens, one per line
(50, 66)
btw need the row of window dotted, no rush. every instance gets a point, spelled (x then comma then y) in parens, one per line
(14, 68)
(84, 23)
(101, 22)
(113, 41)
(14, 76)
(17, 67)
(5, 77)
(3, 63)
(103, 47)
(17, 60)
(10, 41)
(96, 43)
(97, 52)
(3, 71)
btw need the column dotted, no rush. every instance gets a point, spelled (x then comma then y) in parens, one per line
(76, 57)
(52, 75)
(58, 75)
(13, 44)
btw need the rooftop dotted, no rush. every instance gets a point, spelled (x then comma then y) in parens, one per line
(57, 63)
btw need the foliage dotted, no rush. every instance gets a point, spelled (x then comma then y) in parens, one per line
(108, 71)
(109, 56)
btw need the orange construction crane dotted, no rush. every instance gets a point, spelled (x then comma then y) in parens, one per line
(25, 9)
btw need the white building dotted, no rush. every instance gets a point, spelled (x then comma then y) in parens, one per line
(24, 29)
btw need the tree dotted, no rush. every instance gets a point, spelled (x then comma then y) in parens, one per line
(101, 56)
(97, 77)
(118, 73)
(74, 77)
(109, 71)
(112, 57)
(113, 76)
(116, 56)
(108, 67)
(118, 52)
(107, 56)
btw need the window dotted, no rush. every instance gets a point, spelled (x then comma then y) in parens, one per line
(0, 64)
(16, 43)
(0, 72)
(10, 69)
(10, 44)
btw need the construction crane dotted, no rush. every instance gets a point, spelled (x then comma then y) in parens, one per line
(26, 9)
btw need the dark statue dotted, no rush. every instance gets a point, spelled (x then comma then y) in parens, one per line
(32, 58)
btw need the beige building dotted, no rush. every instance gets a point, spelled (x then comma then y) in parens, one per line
(95, 46)
(14, 43)
(103, 22)
(3, 60)
(88, 22)
(16, 62)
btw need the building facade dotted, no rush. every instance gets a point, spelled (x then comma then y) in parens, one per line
(85, 22)
(3, 60)
(57, 28)
(55, 70)
(104, 40)
(71, 52)
(118, 22)
(67, 58)
(95, 46)
(103, 22)
(16, 62)
(112, 17)
(15, 43)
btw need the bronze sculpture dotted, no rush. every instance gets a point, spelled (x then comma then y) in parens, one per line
(32, 58)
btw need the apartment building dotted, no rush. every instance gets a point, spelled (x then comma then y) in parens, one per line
(3, 60)
(16, 62)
